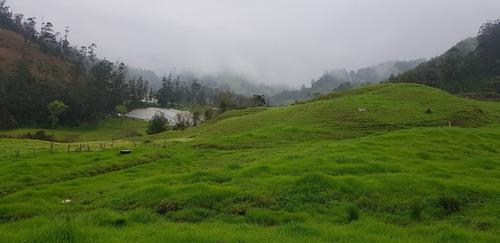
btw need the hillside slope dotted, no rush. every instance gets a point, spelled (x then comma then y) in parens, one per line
(13, 48)
(317, 171)
(336, 116)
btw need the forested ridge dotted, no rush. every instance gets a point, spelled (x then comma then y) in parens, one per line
(470, 68)
(40, 66)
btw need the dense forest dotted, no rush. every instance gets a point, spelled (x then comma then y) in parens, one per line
(92, 88)
(470, 68)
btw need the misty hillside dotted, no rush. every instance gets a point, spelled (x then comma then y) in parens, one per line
(471, 68)
(39, 67)
(154, 80)
(223, 81)
(238, 84)
(341, 79)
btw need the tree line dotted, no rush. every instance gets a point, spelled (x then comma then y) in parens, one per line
(93, 88)
(49, 40)
(89, 94)
(472, 66)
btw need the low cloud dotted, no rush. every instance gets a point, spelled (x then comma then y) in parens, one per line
(274, 42)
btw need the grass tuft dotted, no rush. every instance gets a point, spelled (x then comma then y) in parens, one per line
(450, 204)
(352, 213)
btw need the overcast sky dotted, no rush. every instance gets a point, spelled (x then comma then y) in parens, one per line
(274, 41)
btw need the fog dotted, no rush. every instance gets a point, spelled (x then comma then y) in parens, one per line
(274, 42)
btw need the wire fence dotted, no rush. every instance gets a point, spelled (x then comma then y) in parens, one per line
(25, 150)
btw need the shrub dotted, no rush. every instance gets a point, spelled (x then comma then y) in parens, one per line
(39, 135)
(182, 121)
(158, 123)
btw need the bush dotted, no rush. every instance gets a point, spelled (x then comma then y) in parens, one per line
(39, 135)
(182, 121)
(158, 123)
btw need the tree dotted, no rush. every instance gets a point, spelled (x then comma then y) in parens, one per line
(159, 123)
(122, 109)
(47, 37)
(29, 29)
(195, 91)
(488, 46)
(164, 94)
(345, 86)
(224, 100)
(55, 109)
(257, 100)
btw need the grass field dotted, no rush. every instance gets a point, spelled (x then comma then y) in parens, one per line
(317, 171)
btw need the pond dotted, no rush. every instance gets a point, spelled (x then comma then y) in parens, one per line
(148, 113)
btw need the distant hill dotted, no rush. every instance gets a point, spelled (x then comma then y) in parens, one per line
(341, 79)
(471, 68)
(238, 84)
(224, 81)
(154, 80)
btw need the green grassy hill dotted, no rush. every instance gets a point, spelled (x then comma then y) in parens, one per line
(317, 171)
